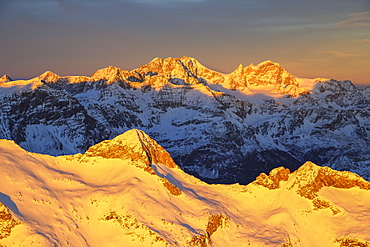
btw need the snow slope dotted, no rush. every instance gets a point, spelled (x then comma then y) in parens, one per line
(129, 192)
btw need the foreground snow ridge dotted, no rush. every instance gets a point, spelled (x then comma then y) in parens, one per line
(129, 192)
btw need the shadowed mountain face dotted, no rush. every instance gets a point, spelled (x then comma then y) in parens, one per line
(220, 128)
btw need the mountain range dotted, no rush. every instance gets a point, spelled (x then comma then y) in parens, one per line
(128, 191)
(221, 128)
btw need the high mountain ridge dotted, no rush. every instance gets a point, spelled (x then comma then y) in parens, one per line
(128, 191)
(221, 128)
(189, 71)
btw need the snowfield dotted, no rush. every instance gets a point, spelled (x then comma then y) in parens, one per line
(129, 192)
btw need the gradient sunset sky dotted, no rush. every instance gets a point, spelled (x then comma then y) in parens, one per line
(309, 38)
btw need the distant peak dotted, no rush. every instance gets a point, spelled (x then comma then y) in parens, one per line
(5, 78)
(321, 79)
(49, 76)
(108, 69)
(186, 58)
(337, 86)
(268, 63)
(239, 69)
(48, 73)
(191, 62)
(156, 59)
(265, 65)
(172, 59)
(108, 73)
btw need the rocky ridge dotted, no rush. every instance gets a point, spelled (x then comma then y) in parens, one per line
(221, 128)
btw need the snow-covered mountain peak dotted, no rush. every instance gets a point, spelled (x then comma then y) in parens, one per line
(239, 70)
(49, 77)
(321, 79)
(77, 79)
(268, 63)
(191, 61)
(5, 78)
(184, 59)
(266, 76)
(268, 72)
(178, 71)
(110, 73)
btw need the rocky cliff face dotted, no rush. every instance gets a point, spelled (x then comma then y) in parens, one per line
(221, 128)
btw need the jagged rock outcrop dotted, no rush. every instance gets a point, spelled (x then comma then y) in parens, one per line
(7, 221)
(211, 129)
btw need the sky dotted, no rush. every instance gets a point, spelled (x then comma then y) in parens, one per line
(309, 38)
